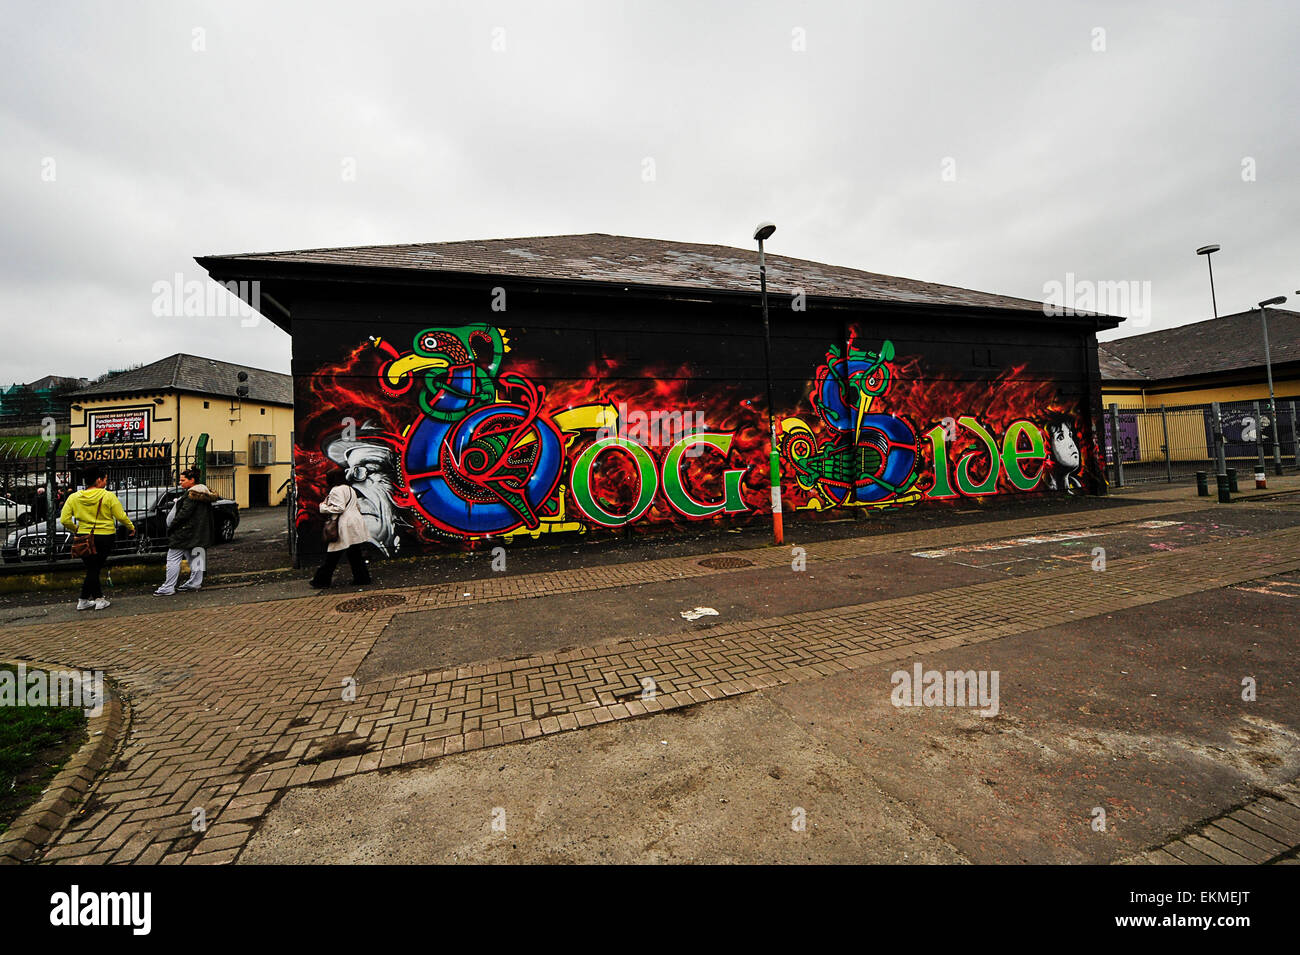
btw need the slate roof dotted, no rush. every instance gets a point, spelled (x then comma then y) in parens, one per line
(1114, 368)
(1217, 345)
(195, 375)
(596, 257)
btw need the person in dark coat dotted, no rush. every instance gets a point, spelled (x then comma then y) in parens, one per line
(189, 534)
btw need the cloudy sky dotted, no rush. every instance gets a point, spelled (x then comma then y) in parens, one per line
(999, 146)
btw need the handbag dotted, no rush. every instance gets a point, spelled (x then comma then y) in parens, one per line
(83, 545)
(329, 532)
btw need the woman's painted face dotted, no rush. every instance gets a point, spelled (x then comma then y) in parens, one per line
(1063, 447)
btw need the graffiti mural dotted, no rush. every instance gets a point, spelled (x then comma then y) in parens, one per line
(485, 456)
(451, 438)
(865, 457)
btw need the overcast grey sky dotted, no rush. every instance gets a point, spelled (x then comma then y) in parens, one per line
(134, 136)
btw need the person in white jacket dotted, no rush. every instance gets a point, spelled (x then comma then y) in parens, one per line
(341, 502)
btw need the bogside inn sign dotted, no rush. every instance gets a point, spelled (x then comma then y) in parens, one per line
(121, 454)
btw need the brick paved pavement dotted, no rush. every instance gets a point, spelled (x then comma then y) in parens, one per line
(1264, 830)
(231, 706)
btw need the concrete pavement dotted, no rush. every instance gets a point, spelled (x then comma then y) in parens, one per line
(231, 708)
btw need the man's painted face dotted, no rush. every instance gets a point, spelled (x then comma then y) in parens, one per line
(1064, 448)
(370, 470)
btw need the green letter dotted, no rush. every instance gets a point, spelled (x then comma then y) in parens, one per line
(584, 497)
(964, 483)
(939, 451)
(675, 486)
(1012, 455)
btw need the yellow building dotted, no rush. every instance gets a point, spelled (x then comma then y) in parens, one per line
(164, 408)
(1221, 359)
(1174, 374)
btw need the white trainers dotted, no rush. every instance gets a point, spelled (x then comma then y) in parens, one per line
(84, 604)
(102, 603)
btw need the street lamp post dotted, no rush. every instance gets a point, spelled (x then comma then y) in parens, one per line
(764, 231)
(1207, 251)
(1275, 431)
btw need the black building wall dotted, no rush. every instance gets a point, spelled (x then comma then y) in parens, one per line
(521, 381)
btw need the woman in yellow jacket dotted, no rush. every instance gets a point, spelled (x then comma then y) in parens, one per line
(95, 511)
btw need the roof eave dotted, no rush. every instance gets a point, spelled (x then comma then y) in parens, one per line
(226, 269)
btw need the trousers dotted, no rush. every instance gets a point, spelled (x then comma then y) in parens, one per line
(197, 558)
(356, 559)
(91, 589)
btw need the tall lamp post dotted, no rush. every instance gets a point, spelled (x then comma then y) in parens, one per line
(1268, 367)
(1207, 251)
(763, 232)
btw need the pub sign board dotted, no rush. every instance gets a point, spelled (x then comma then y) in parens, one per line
(119, 426)
(121, 455)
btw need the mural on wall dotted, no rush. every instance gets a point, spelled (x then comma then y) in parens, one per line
(454, 439)
(863, 457)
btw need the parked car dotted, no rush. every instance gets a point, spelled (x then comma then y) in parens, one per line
(152, 524)
(11, 512)
(146, 506)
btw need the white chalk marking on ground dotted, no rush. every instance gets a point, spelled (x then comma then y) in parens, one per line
(1057, 538)
(1270, 589)
(966, 549)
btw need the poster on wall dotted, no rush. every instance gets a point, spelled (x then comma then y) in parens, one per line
(458, 437)
(1129, 446)
(118, 427)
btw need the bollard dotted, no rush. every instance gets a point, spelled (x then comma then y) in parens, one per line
(1224, 496)
(1232, 480)
(1202, 485)
(1261, 481)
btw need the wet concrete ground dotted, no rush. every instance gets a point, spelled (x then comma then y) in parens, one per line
(439, 638)
(1136, 713)
(257, 565)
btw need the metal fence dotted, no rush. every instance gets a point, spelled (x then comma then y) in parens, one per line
(33, 490)
(1173, 443)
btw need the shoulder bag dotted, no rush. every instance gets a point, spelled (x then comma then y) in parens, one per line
(330, 530)
(83, 545)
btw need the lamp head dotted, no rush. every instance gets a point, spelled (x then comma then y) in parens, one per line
(764, 230)
(1276, 300)
(1207, 249)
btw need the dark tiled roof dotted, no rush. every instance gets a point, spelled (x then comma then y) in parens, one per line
(205, 376)
(1114, 368)
(1228, 343)
(50, 382)
(647, 262)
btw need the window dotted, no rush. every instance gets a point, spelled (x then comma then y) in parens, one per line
(263, 410)
(262, 448)
(206, 405)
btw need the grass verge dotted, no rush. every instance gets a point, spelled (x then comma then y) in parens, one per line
(35, 742)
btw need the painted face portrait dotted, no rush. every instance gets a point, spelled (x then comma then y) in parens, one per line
(1064, 448)
(370, 469)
